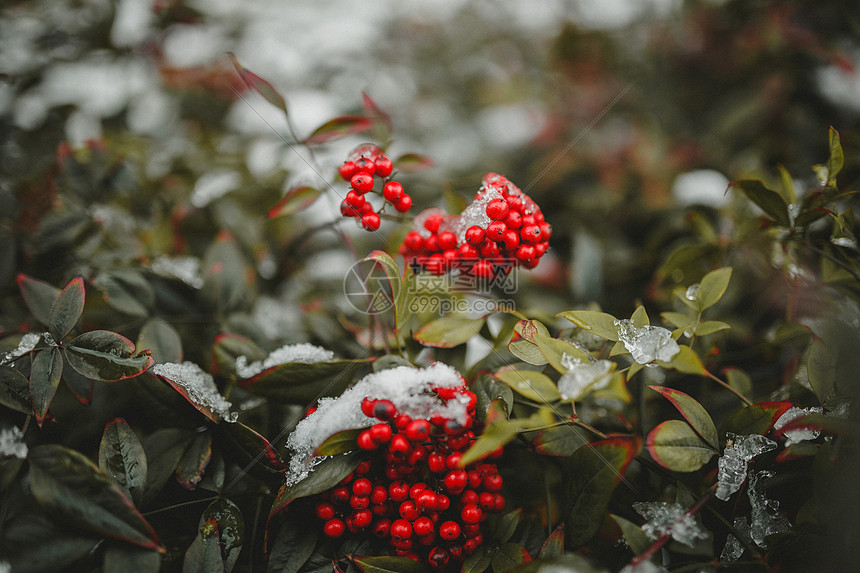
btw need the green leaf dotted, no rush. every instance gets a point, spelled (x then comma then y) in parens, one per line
(820, 370)
(836, 159)
(125, 558)
(164, 449)
(44, 380)
(767, 200)
(106, 356)
(127, 291)
(80, 386)
(487, 391)
(554, 544)
(709, 327)
(498, 432)
(388, 565)
(231, 529)
(296, 199)
(524, 347)
(15, 390)
(693, 412)
(339, 443)
(66, 482)
(34, 542)
(639, 318)
(397, 282)
(686, 361)
(507, 525)
(509, 556)
(559, 353)
(193, 463)
(712, 287)
(738, 379)
(787, 185)
(338, 128)
(204, 553)
(598, 323)
(412, 163)
(448, 331)
(227, 277)
(228, 347)
(162, 341)
(293, 545)
(251, 450)
(633, 535)
(676, 446)
(677, 319)
(680, 293)
(567, 563)
(560, 441)
(324, 476)
(259, 85)
(756, 419)
(67, 309)
(478, 561)
(122, 458)
(39, 297)
(590, 476)
(304, 382)
(533, 385)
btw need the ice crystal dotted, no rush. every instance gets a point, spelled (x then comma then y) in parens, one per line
(733, 463)
(199, 385)
(766, 517)
(799, 435)
(581, 377)
(733, 549)
(408, 388)
(186, 269)
(288, 353)
(669, 519)
(12, 443)
(692, 292)
(27, 343)
(475, 213)
(648, 343)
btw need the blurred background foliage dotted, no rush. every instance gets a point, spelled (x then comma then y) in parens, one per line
(131, 155)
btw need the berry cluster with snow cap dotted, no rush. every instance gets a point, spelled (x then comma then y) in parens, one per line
(502, 228)
(411, 493)
(364, 164)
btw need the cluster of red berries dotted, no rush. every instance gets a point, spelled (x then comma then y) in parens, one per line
(364, 164)
(412, 492)
(503, 228)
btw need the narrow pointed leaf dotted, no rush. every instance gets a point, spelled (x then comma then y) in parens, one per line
(639, 318)
(339, 128)
(122, 458)
(533, 385)
(80, 386)
(693, 412)
(339, 443)
(508, 557)
(44, 379)
(126, 291)
(713, 286)
(66, 482)
(106, 356)
(297, 199)
(554, 544)
(448, 331)
(707, 327)
(67, 309)
(259, 85)
(194, 461)
(598, 323)
(756, 419)
(39, 297)
(559, 353)
(676, 319)
(676, 446)
(292, 547)
(686, 361)
(560, 441)
(836, 159)
(251, 450)
(412, 163)
(15, 390)
(767, 200)
(633, 535)
(324, 476)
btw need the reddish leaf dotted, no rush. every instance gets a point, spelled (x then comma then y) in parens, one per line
(413, 162)
(693, 412)
(756, 419)
(554, 544)
(261, 86)
(297, 199)
(338, 128)
(375, 112)
(67, 309)
(819, 423)
(674, 445)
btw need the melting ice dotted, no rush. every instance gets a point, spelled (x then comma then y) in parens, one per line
(27, 343)
(581, 377)
(288, 353)
(648, 343)
(669, 518)
(766, 518)
(800, 435)
(733, 463)
(199, 385)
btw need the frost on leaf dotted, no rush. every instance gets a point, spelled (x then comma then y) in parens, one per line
(581, 377)
(288, 353)
(185, 269)
(766, 517)
(733, 549)
(733, 463)
(800, 435)
(27, 344)
(410, 390)
(669, 519)
(12, 443)
(648, 343)
(199, 386)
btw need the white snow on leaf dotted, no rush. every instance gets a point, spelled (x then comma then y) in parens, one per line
(12, 443)
(186, 269)
(800, 435)
(581, 378)
(648, 343)
(408, 388)
(27, 343)
(766, 517)
(199, 385)
(288, 353)
(669, 519)
(733, 463)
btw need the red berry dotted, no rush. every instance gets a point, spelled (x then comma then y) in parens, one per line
(422, 526)
(471, 545)
(381, 433)
(392, 191)
(471, 514)
(340, 494)
(325, 510)
(365, 441)
(346, 210)
(493, 482)
(365, 165)
(471, 530)
(359, 502)
(432, 222)
(456, 481)
(431, 243)
(384, 166)
(482, 269)
(528, 220)
(436, 463)
(525, 253)
(516, 203)
(367, 405)
(453, 460)
(531, 234)
(449, 530)
(467, 253)
(438, 557)
(401, 544)
(418, 430)
(513, 220)
(427, 500)
(347, 170)
(436, 263)
(334, 528)
(447, 241)
(489, 249)
(541, 248)
(475, 479)
(378, 495)
(469, 496)
(496, 231)
(362, 518)
(382, 527)
(384, 410)
(362, 487)
(401, 529)
(354, 200)
(545, 230)
(413, 241)
(428, 539)
(404, 203)
(497, 209)
(487, 501)
(511, 240)
(450, 259)
(499, 502)
(473, 400)
(399, 446)
(474, 235)
(416, 489)
(370, 221)
(456, 551)
(361, 182)
(398, 491)
(401, 421)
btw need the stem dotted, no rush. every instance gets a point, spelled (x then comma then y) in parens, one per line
(183, 504)
(729, 388)
(548, 505)
(583, 425)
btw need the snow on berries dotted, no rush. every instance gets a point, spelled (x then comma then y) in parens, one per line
(410, 492)
(365, 164)
(502, 228)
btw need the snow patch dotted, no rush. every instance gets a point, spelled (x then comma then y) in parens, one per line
(288, 353)
(199, 385)
(581, 377)
(12, 443)
(669, 519)
(27, 343)
(800, 435)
